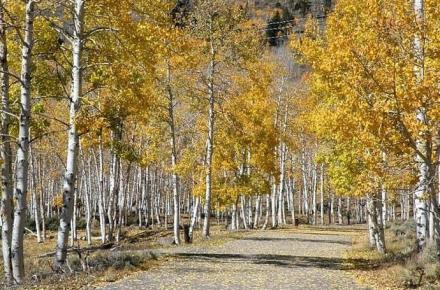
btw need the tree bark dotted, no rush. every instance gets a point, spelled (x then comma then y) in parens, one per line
(73, 137)
(174, 177)
(340, 221)
(274, 205)
(209, 141)
(322, 194)
(101, 208)
(376, 229)
(257, 212)
(194, 217)
(21, 188)
(266, 219)
(5, 151)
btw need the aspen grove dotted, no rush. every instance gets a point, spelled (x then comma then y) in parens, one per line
(177, 115)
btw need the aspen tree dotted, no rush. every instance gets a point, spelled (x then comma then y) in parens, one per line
(6, 152)
(70, 177)
(21, 187)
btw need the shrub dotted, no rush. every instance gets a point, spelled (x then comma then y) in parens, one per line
(404, 229)
(30, 224)
(81, 224)
(118, 260)
(52, 224)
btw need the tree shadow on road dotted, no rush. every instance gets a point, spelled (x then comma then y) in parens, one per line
(340, 242)
(276, 260)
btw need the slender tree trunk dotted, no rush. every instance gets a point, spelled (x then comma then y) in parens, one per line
(234, 217)
(35, 195)
(315, 182)
(243, 212)
(73, 138)
(340, 221)
(384, 206)
(332, 209)
(266, 219)
(305, 187)
(322, 194)
(376, 229)
(73, 229)
(175, 178)
(88, 198)
(101, 208)
(257, 212)
(5, 152)
(209, 142)
(194, 217)
(292, 199)
(281, 185)
(274, 205)
(140, 203)
(420, 201)
(21, 188)
(114, 178)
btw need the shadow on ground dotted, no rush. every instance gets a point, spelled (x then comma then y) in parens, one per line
(276, 260)
(348, 243)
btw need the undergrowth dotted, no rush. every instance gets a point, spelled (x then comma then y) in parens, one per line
(402, 267)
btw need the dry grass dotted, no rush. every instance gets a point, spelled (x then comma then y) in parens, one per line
(400, 268)
(134, 253)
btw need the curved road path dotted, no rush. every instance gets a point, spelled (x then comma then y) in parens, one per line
(282, 259)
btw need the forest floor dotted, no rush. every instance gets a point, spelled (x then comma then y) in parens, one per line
(295, 258)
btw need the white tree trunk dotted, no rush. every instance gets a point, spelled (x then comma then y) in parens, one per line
(21, 188)
(274, 204)
(315, 182)
(209, 144)
(291, 190)
(35, 195)
(243, 211)
(376, 229)
(194, 217)
(281, 185)
(88, 198)
(420, 195)
(234, 221)
(73, 138)
(5, 151)
(175, 177)
(266, 219)
(322, 194)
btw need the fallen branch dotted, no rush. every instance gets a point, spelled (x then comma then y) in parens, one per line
(31, 232)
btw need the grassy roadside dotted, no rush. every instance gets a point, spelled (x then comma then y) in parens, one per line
(401, 267)
(135, 252)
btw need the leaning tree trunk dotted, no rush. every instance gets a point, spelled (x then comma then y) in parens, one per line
(73, 137)
(21, 188)
(194, 218)
(5, 151)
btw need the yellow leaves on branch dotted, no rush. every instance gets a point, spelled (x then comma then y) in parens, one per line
(367, 95)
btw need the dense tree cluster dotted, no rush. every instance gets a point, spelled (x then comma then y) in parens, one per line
(374, 88)
(162, 113)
